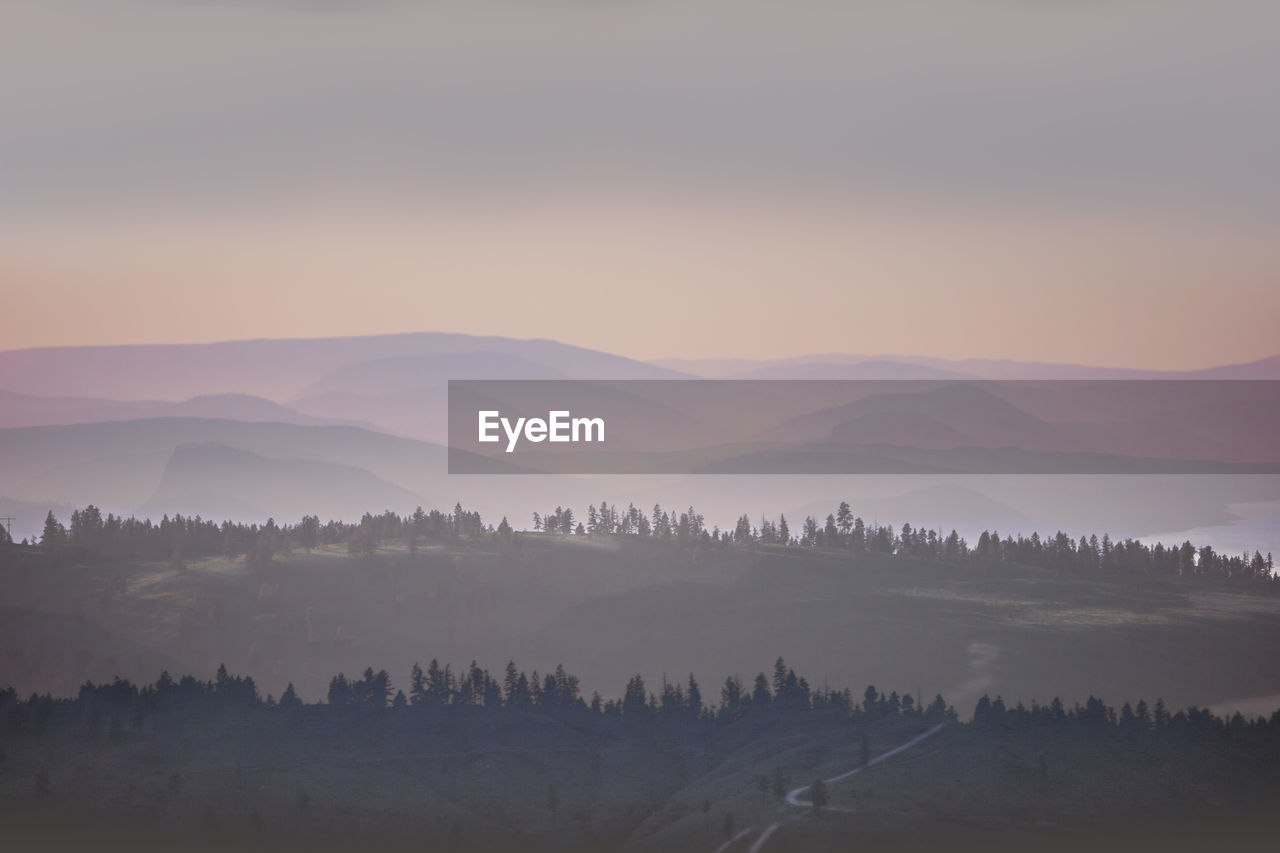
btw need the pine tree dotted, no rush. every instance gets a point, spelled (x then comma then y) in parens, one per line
(779, 677)
(54, 536)
(289, 700)
(844, 518)
(760, 696)
(510, 683)
(634, 700)
(380, 689)
(693, 697)
(417, 686)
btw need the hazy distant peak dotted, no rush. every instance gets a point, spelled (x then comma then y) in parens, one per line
(855, 366)
(284, 369)
(871, 369)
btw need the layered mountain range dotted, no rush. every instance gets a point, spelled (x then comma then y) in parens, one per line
(336, 427)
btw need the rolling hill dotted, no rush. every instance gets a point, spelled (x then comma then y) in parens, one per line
(123, 465)
(285, 369)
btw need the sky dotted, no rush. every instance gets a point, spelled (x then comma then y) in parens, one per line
(1093, 182)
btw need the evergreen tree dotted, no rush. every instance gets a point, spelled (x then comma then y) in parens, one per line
(635, 698)
(693, 697)
(417, 686)
(54, 537)
(760, 696)
(844, 519)
(289, 700)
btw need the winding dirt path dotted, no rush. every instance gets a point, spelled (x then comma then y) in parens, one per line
(793, 796)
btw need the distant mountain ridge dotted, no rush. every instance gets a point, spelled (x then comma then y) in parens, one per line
(219, 481)
(945, 416)
(285, 370)
(25, 410)
(278, 427)
(120, 464)
(279, 369)
(870, 369)
(852, 366)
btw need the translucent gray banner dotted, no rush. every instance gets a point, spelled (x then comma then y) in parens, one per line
(863, 427)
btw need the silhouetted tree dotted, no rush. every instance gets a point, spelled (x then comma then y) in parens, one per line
(693, 697)
(635, 700)
(54, 538)
(844, 518)
(289, 700)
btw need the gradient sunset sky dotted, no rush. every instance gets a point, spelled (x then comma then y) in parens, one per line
(1093, 182)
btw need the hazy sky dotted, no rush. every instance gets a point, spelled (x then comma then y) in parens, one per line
(1076, 181)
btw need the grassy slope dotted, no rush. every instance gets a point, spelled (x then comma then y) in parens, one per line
(485, 783)
(610, 609)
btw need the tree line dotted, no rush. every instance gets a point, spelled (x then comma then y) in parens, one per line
(178, 538)
(438, 692)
